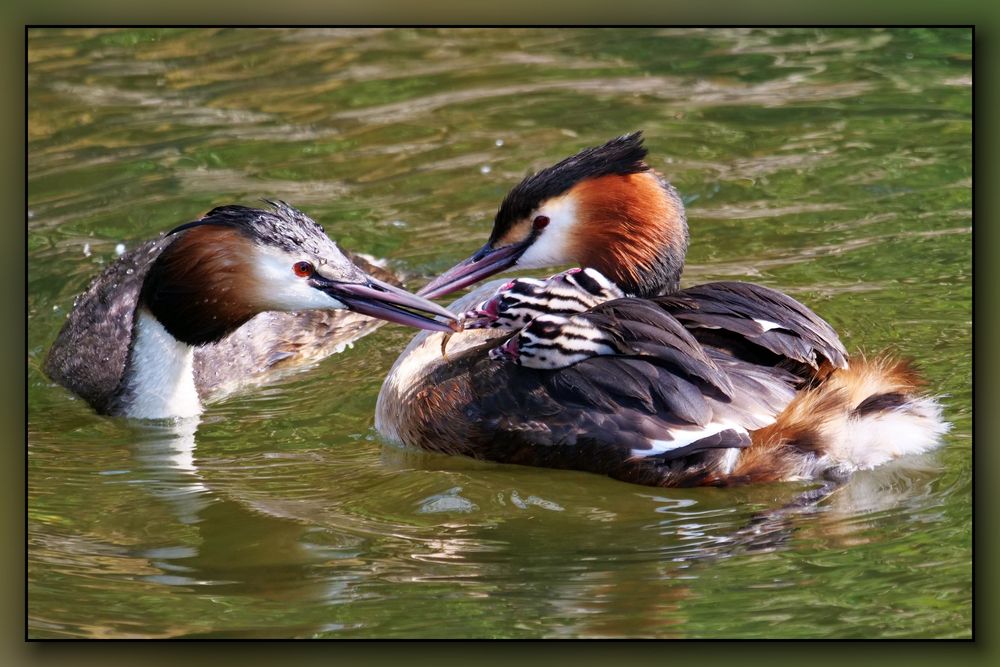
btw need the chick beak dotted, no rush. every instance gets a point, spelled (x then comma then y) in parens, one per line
(486, 262)
(376, 298)
(509, 351)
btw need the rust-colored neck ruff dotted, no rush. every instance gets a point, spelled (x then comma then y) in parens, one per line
(197, 288)
(633, 230)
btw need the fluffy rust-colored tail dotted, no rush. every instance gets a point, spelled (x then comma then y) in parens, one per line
(853, 419)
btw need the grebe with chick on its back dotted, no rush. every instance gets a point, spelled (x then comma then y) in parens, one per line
(616, 370)
(218, 304)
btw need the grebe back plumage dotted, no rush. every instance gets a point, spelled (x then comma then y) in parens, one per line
(214, 305)
(719, 384)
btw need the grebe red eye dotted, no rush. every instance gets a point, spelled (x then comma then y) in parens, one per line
(303, 269)
(540, 222)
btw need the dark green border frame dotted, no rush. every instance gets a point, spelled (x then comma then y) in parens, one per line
(13, 417)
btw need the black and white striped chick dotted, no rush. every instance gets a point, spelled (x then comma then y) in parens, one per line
(519, 301)
(717, 384)
(550, 342)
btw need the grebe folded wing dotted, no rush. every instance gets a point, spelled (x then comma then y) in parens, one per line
(623, 375)
(744, 317)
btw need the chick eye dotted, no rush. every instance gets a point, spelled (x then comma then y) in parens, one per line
(540, 222)
(303, 269)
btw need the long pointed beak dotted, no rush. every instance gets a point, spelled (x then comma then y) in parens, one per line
(486, 262)
(386, 302)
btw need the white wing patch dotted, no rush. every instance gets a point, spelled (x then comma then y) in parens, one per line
(685, 437)
(767, 325)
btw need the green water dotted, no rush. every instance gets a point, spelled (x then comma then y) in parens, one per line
(832, 164)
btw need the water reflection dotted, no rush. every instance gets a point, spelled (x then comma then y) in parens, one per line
(236, 547)
(165, 463)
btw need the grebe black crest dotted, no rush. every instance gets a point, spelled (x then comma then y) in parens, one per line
(214, 304)
(616, 370)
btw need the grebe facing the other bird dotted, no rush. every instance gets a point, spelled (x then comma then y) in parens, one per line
(217, 304)
(717, 384)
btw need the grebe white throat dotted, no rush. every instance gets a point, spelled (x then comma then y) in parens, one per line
(161, 373)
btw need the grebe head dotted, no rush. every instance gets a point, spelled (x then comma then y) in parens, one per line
(603, 208)
(236, 262)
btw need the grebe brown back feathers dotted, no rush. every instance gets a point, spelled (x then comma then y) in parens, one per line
(189, 316)
(717, 384)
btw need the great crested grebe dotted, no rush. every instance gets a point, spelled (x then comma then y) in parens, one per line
(718, 384)
(186, 316)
